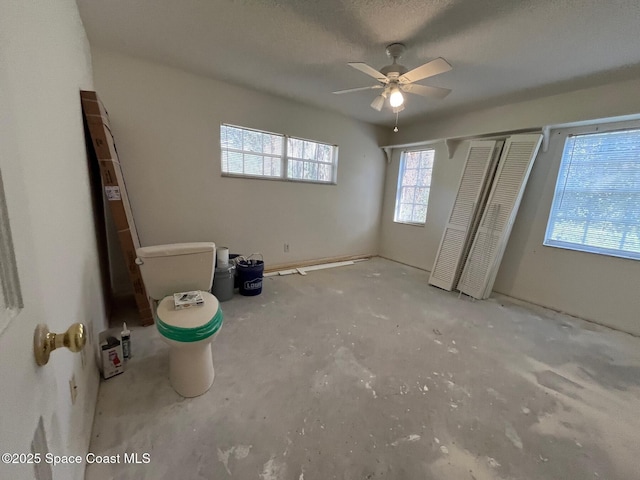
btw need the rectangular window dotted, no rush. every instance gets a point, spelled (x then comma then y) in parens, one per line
(596, 204)
(414, 183)
(253, 153)
(310, 161)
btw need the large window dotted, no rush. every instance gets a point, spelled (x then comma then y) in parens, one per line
(414, 183)
(596, 205)
(253, 153)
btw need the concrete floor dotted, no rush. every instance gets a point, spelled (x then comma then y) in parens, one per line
(366, 372)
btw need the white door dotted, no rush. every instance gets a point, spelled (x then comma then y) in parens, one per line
(499, 214)
(48, 254)
(26, 389)
(476, 177)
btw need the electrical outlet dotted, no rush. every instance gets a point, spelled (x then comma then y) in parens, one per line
(286, 248)
(73, 389)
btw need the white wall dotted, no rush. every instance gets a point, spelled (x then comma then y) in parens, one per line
(612, 100)
(599, 288)
(44, 62)
(595, 287)
(412, 244)
(166, 124)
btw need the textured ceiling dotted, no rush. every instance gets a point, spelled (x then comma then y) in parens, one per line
(501, 50)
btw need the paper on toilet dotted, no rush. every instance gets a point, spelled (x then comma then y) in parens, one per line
(183, 300)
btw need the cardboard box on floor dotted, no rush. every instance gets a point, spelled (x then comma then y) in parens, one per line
(97, 121)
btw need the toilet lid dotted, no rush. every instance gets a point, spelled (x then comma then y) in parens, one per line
(190, 324)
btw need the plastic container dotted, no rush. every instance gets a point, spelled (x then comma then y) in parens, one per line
(222, 257)
(223, 283)
(125, 337)
(112, 357)
(250, 273)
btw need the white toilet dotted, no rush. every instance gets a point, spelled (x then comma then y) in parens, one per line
(182, 267)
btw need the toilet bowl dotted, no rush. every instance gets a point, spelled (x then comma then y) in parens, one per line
(183, 267)
(189, 333)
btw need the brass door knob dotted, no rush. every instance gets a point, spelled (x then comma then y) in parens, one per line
(45, 342)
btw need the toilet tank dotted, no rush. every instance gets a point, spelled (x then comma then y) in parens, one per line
(177, 267)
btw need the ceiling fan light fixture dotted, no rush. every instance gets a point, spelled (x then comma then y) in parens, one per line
(378, 102)
(396, 98)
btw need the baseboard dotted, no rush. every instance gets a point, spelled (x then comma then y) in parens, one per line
(403, 263)
(318, 261)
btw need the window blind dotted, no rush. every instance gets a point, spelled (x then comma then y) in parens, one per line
(596, 204)
(254, 153)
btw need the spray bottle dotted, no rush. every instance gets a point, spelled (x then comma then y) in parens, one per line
(125, 335)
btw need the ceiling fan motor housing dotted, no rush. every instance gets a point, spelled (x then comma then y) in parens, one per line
(394, 71)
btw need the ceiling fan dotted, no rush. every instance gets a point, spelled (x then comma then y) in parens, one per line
(395, 79)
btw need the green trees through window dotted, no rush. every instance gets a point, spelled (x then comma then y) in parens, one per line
(414, 183)
(253, 153)
(596, 204)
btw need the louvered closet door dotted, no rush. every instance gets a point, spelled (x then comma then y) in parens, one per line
(480, 165)
(499, 214)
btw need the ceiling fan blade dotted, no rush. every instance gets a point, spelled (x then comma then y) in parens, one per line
(372, 72)
(434, 67)
(426, 91)
(349, 90)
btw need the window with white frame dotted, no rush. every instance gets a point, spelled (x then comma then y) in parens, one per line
(310, 161)
(414, 183)
(596, 204)
(250, 152)
(254, 153)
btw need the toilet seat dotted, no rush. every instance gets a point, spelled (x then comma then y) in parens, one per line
(190, 324)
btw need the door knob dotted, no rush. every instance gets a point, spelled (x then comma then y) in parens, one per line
(45, 342)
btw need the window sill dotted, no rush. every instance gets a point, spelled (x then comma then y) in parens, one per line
(411, 224)
(277, 179)
(594, 251)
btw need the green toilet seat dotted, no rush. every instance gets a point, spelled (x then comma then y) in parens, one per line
(191, 324)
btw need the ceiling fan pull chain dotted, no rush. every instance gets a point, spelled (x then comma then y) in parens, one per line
(395, 129)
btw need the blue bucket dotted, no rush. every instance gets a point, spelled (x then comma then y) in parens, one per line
(250, 272)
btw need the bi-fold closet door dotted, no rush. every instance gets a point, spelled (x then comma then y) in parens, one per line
(472, 267)
(473, 189)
